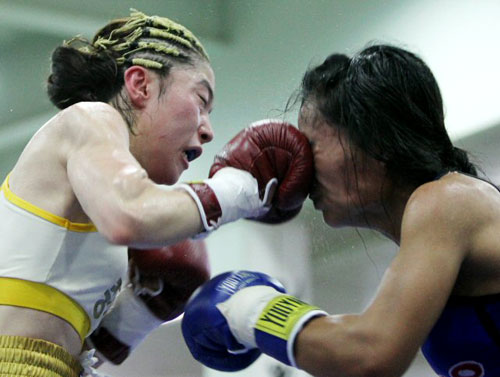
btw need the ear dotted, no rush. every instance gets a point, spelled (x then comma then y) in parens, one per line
(138, 83)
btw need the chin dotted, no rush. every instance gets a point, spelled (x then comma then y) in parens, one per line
(172, 180)
(328, 221)
(165, 178)
(331, 220)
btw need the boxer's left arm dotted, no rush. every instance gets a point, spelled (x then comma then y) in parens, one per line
(439, 224)
(380, 341)
(162, 280)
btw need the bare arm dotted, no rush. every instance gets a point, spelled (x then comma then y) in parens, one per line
(383, 340)
(115, 191)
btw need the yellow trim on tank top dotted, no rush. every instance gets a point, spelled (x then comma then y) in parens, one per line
(58, 220)
(39, 296)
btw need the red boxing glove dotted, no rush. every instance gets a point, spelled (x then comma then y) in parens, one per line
(245, 174)
(162, 280)
(272, 149)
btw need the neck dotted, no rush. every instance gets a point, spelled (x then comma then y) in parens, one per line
(388, 216)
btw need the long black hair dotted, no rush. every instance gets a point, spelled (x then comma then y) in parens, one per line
(389, 102)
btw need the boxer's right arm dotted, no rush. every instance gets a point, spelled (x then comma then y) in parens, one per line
(128, 208)
(264, 173)
(114, 190)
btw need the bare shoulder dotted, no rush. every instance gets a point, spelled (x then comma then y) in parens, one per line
(92, 110)
(41, 172)
(456, 204)
(92, 116)
(82, 124)
(453, 194)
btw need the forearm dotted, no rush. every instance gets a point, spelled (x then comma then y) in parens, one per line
(132, 210)
(347, 345)
(163, 217)
(323, 349)
(124, 204)
(242, 312)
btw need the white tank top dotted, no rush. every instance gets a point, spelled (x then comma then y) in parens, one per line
(50, 264)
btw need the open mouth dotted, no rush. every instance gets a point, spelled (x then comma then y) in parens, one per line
(192, 154)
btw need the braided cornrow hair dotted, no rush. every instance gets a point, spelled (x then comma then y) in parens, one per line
(85, 70)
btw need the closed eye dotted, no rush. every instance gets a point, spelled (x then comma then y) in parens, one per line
(207, 101)
(204, 100)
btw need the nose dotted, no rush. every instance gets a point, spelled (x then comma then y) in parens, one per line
(205, 131)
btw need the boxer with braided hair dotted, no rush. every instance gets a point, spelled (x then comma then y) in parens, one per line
(87, 192)
(93, 70)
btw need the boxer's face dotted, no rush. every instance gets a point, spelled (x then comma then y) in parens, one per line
(348, 184)
(175, 122)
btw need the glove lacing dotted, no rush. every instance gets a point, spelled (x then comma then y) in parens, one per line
(87, 361)
(140, 290)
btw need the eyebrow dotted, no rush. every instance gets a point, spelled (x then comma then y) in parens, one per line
(206, 84)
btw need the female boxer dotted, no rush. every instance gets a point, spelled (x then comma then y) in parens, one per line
(135, 104)
(383, 161)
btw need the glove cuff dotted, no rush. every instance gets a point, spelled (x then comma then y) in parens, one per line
(129, 320)
(265, 318)
(207, 203)
(243, 309)
(107, 347)
(279, 324)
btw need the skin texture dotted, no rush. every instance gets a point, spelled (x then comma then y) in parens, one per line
(338, 191)
(102, 173)
(99, 177)
(179, 120)
(449, 244)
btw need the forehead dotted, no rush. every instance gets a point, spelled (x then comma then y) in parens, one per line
(205, 69)
(310, 118)
(193, 74)
(315, 126)
(307, 113)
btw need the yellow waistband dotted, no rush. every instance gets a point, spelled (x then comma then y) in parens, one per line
(58, 220)
(21, 356)
(38, 296)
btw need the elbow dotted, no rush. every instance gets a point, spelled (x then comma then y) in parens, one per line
(345, 345)
(365, 366)
(374, 368)
(122, 229)
(370, 359)
(380, 363)
(119, 236)
(362, 366)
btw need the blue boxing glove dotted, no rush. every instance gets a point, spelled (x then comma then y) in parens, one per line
(236, 316)
(206, 331)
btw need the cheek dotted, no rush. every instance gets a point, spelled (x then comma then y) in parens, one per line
(329, 168)
(186, 112)
(180, 116)
(177, 132)
(162, 158)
